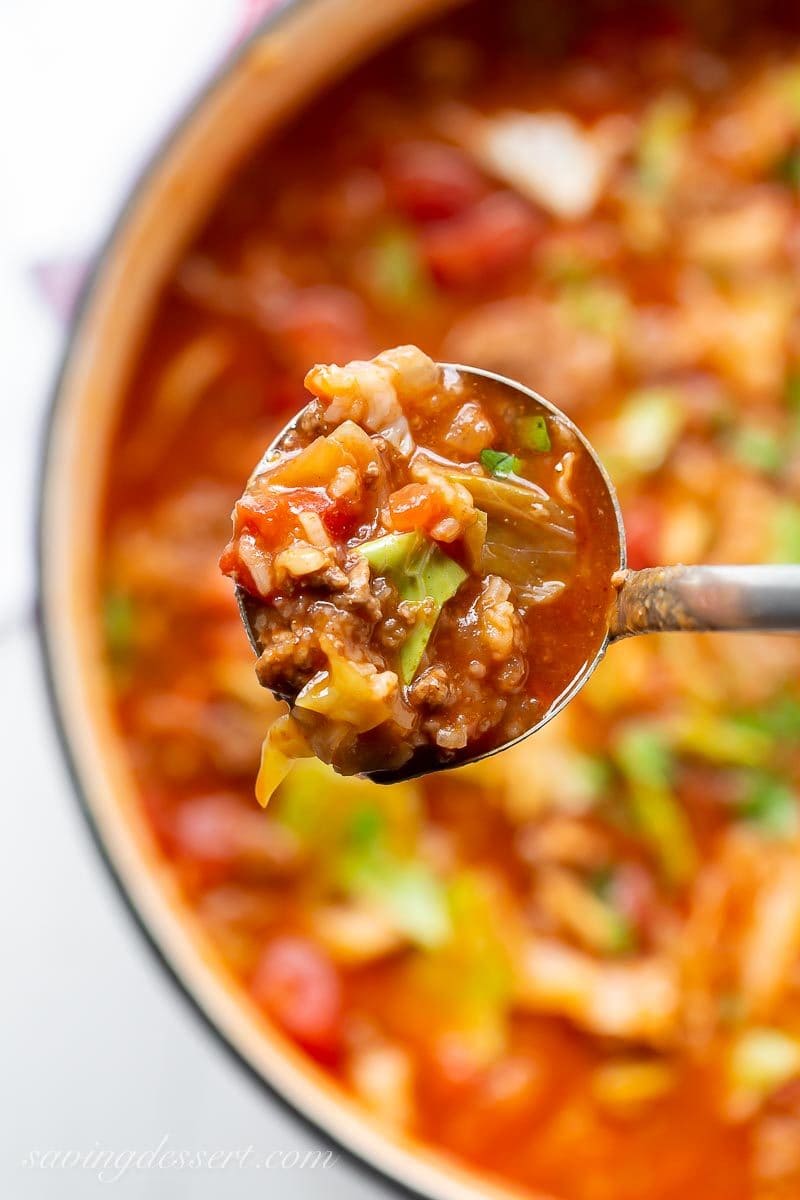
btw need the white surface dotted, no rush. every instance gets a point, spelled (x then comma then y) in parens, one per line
(98, 1052)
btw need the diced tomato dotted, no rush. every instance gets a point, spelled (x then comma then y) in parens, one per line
(270, 519)
(428, 181)
(273, 518)
(416, 506)
(643, 522)
(494, 235)
(298, 985)
(341, 521)
(308, 499)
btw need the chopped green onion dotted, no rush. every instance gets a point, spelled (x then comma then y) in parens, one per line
(760, 449)
(421, 572)
(771, 806)
(396, 269)
(646, 761)
(533, 433)
(499, 463)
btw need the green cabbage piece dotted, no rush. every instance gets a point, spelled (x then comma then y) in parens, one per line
(421, 572)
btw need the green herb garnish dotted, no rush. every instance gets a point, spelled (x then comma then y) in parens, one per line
(533, 433)
(499, 463)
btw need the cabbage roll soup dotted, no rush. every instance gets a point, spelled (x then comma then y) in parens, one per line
(427, 556)
(574, 966)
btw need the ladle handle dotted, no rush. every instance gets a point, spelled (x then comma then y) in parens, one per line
(692, 599)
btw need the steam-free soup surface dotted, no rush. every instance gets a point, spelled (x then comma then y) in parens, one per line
(574, 967)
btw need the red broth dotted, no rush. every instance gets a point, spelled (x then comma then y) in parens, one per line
(575, 966)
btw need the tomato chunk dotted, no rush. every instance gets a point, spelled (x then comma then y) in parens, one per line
(428, 181)
(416, 506)
(341, 521)
(298, 986)
(489, 238)
(271, 520)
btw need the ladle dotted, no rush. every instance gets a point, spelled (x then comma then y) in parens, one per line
(685, 599)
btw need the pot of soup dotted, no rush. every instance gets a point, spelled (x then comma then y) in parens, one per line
(570, 969)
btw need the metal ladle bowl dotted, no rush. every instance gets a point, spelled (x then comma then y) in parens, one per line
(676, 599)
